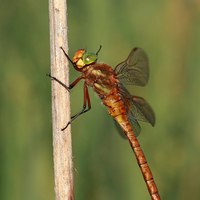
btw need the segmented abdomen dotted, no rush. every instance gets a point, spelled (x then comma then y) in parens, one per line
(117, 110)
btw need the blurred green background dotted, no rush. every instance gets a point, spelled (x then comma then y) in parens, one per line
(104, 164)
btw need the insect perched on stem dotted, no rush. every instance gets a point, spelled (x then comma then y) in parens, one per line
(125, 108)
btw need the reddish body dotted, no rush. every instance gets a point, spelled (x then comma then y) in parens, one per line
(103, 80)
(122, 106)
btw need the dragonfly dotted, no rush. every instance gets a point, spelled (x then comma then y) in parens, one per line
(125, 108)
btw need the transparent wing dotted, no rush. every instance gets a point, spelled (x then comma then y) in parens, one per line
(131, 118)
(134, 124)
(139, 108)
(119, 129)
(135, 69)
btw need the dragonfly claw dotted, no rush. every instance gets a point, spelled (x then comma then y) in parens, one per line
(66, 126)
(49, 75)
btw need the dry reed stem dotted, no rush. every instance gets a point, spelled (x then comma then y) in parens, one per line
(62, 144)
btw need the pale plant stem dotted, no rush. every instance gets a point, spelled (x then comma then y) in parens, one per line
(62, 144)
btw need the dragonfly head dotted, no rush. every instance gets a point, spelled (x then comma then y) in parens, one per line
(82, 58)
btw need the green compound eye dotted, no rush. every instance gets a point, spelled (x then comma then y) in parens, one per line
(89, 58)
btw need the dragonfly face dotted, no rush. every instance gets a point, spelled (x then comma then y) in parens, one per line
(82, 58)
(77, 59)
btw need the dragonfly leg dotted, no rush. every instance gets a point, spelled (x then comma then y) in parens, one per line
(68, 57)
(54, 78)
(70, 86)
(86, 101)
(86, 96)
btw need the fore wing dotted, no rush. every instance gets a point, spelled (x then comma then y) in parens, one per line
(135, 69)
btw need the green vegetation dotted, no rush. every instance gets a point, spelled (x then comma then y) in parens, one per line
(105, 166)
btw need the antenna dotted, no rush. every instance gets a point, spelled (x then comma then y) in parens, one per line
(98, 50)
